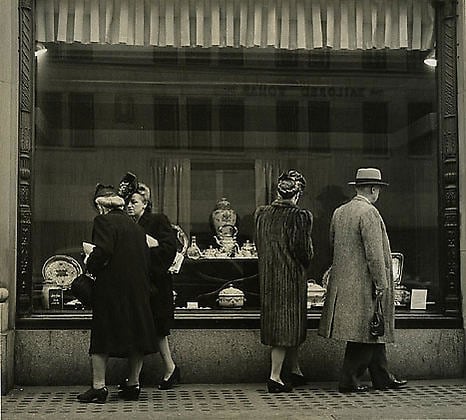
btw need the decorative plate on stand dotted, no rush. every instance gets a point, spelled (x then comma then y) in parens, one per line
(61, 270)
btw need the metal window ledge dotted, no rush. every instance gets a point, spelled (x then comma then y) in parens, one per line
(231, 319)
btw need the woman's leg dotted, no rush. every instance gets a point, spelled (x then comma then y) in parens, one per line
(292, 355)
(99, 366)
(166, 355)
(135, 361)
(277, 356)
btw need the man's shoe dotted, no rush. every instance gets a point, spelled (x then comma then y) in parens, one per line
(354, 388)
(93, 395)
(395, 384)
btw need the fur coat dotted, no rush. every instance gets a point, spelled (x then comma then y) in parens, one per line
(284, 245)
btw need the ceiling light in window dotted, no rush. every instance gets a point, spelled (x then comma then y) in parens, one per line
(40, 49)
(430, 60)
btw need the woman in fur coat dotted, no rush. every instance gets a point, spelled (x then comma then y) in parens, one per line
(284, 245)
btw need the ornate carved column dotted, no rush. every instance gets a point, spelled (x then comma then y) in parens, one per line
(26, 101)
(448, 157)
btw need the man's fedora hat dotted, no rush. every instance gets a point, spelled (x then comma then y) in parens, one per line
(368, 176)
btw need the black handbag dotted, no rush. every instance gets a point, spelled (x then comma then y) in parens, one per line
(377, 324)
(82, 288)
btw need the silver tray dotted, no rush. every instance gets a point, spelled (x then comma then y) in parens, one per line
(61, 270)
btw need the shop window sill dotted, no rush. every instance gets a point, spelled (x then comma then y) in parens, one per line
(231, 319)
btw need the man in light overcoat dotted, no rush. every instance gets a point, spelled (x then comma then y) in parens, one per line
(361, 270)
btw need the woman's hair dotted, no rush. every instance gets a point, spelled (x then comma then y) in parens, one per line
(290, 183)
(110, 201)
(144, 191)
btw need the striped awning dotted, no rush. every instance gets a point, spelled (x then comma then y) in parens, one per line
(287, 24)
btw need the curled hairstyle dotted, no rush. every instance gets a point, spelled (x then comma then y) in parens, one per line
(144, 191)
(290, 183)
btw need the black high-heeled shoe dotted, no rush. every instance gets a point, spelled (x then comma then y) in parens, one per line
(129, 392)
(297, 380)
(276, 387)
(93, 395)
(172, 380)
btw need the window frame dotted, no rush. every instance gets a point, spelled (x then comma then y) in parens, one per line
(448, 211)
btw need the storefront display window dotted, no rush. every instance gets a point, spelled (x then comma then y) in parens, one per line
(200, 127)
(207, 104)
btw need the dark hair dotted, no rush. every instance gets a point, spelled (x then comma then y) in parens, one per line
(290, 183)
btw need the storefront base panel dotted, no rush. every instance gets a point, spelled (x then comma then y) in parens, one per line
(60, 357)
(7, 340)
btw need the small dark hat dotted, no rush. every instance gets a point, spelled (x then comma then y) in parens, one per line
(368, 176)
(102, 190)
(290, 183)
(128, 185)
(107, 196)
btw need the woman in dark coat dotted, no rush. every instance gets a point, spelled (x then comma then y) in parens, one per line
(122, 325)
(162, 253)
(284, 245)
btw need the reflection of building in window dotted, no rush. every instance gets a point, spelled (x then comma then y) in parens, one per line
(49, 119)
(421, 126)
(231, 124)
(287, 124)
(375, 128)
(166, 121)
(81, 108)
(374, 59)
(319, 126)
(199, 113)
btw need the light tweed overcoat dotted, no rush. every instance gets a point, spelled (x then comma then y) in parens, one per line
(284, 245)
(361, 262)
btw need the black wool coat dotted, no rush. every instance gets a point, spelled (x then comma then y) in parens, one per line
(159, 227)
(122, 320)
(284, 245)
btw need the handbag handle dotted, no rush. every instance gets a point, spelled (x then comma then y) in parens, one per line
(378, 304)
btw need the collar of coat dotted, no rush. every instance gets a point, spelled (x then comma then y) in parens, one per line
(362, 198)
(283, 202)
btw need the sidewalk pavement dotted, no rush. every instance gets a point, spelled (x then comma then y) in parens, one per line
(427, 399)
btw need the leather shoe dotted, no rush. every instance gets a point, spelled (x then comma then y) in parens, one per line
(297, 380)
(275, 387)
(354, 388)
(93, 395)
(395, 384)
(129, 392)
(172, 380)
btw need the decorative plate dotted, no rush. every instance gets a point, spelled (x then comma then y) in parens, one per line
(61, 270)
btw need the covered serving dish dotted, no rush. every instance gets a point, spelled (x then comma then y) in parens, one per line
(315, 294)
(231, 297)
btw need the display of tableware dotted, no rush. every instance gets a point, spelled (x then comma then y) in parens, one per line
(223, 215)
(231, 297)
(247, 250)
(61, 270)
(224, 223)
(315, 294)
(193, 250)
(401, 294)
(210, 252)
(183, 241)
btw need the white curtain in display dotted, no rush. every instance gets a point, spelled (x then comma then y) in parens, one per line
(286, 24)
(266, 175)
(172, 180)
